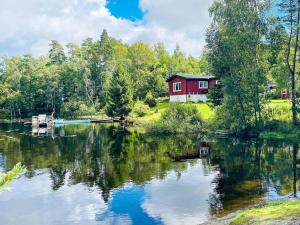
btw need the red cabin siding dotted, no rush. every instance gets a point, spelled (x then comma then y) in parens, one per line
(183, 86)
(190, 86)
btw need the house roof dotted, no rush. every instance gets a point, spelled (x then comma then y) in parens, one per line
(192, 76)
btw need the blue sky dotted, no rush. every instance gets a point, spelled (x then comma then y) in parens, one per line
(128, 9)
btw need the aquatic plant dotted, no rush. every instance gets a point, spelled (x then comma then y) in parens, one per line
(6, 178)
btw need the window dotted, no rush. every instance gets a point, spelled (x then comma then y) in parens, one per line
(177, 86)
(203, 84)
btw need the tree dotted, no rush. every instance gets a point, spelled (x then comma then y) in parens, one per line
(215, 95)
(291, 18)
(120, 97)
(104, 50)
(56, 53)
(235, 54)
(143, 63)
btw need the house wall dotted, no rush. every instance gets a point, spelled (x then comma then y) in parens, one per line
(183, 86)
(190, 86)
(198, 98)
(185, 98)
(178, 98)
(189, 90)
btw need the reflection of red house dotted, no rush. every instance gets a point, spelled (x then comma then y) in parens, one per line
(185, 87)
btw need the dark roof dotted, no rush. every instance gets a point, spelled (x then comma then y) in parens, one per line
(192, 77)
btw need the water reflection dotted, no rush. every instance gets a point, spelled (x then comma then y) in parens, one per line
(90, 174)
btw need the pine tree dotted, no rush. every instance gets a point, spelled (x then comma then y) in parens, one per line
(105, 66)
(56, 53)
(120, 97)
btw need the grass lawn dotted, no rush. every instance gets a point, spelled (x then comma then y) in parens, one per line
(278, 109)
(155, 112)
(274, 212)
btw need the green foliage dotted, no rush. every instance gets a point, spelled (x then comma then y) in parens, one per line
(280, 130)
(73, 109)
(235, 53)
(56, 53)
(276, 212)
(150, 100)
(6, 178)
(84, 73)
(120, 97)
(177, 118)
(140, 109)
(215, 95)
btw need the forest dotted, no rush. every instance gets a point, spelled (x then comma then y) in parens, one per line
(76, 79)
(248, 49)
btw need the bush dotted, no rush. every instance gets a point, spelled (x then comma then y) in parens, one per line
(150, 100)
(140, 109)
(178, 118)
(215, 95)
(279, 126)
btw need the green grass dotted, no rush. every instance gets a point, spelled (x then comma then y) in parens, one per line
(155, 112)
(277, 211)
(279, 109)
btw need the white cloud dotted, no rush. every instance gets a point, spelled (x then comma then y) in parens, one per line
(28, 26)
(32, 201)
(192, 192)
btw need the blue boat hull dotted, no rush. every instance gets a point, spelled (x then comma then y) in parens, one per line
(65, 122)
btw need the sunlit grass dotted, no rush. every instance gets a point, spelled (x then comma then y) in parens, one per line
(278, 211)
(154, 113)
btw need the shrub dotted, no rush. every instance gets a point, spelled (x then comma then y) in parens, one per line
(215, 95)
(178, 118)
(150, 100)
(140, 109)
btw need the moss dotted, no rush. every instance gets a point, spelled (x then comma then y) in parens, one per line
(277, 211)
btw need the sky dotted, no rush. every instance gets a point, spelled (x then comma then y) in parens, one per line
(28, 26)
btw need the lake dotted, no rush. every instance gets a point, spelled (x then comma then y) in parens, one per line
(96, 174)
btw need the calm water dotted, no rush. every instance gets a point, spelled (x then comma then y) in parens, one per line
(92, 174)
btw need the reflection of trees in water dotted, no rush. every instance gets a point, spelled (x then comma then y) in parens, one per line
(98, 156)
(107, 158)
(250, 168)
(57, 175)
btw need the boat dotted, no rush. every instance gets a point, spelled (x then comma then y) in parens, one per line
(66, 122)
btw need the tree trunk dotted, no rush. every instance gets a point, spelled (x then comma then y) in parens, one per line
(295, 153)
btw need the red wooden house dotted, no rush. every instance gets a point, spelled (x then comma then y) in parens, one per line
(187, 87)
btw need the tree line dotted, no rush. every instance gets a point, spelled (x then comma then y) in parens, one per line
(82, 80)
(248, 48)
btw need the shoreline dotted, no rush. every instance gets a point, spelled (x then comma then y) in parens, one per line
(285, 212)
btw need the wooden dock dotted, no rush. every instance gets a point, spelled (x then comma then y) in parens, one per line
(103, 121)
(110, 120)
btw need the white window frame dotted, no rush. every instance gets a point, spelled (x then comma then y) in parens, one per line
(177, 87)
(203, 82)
